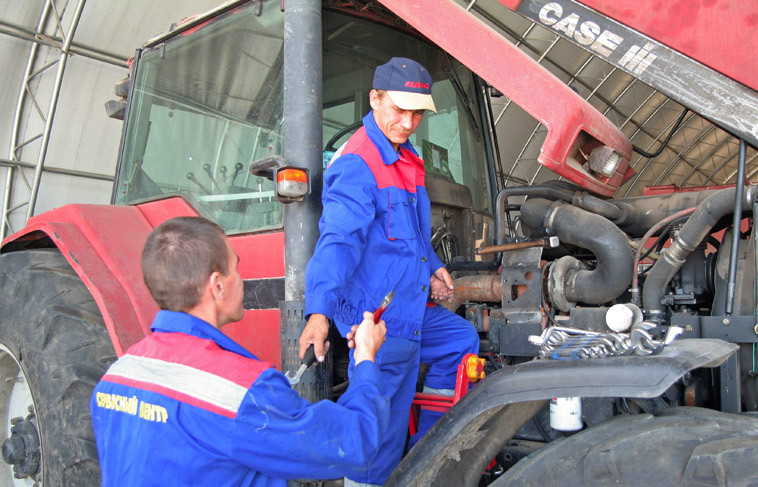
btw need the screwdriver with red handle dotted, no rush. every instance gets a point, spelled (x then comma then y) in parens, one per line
(310, 354)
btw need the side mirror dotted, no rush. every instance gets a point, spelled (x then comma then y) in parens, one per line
(290, 183)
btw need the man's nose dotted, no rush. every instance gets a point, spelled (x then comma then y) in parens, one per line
(406, 119)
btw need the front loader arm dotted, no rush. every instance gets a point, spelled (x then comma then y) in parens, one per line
(574, 127)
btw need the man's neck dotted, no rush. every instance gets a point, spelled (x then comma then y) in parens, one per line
(205, 313)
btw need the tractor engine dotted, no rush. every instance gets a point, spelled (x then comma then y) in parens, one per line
(624, 275)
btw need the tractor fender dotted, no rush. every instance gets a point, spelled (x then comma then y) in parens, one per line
(498, 406)
(103, 244)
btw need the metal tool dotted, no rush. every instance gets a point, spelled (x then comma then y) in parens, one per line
(547, 242)
(310, 354)
(308, 360)
(563, 343)
(383, 305)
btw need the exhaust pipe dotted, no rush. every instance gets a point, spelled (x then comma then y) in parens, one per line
(487, 288)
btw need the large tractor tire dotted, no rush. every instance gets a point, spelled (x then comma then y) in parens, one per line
(682, 447)
(53, 349)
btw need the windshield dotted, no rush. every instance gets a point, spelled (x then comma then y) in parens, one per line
(206, 104)
(203, 107)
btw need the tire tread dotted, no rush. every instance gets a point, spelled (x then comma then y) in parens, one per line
(54, 328)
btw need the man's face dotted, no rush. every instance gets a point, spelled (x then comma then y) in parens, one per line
(232, 306)
(394, 122)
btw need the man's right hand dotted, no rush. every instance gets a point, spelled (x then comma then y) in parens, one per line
(316, 332)
(367, 338)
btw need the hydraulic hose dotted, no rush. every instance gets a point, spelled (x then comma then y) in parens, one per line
(697, 227)
(570, 281)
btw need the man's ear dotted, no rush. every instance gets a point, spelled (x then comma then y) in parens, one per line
(217, 285)
(373, 98)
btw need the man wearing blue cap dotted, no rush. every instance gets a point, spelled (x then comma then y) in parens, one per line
(375, 238)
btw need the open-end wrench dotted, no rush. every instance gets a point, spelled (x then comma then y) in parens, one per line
(310, 354)
(308, 360)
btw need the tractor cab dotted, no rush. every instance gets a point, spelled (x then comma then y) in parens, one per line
(206, 101)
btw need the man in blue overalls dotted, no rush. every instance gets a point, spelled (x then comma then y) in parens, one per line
(188, 406)
(375, 238)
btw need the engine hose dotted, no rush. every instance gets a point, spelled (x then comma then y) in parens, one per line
(572, 282)
(642, 212)
(697, 227)
(635, 291)
(591, 203)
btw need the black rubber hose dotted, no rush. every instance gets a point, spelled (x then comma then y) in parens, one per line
(689, 237)
(554, 192)
(613, 272)
(655, 154)
(643, 212)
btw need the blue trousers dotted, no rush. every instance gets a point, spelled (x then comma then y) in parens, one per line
(445, 339)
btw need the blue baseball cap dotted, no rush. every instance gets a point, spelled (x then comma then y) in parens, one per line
(408, 84)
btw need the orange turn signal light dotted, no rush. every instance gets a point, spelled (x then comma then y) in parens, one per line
(292, 175)
(291, 184)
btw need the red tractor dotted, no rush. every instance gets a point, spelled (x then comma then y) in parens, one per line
(231, 115)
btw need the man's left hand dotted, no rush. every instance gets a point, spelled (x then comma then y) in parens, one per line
(441, 285)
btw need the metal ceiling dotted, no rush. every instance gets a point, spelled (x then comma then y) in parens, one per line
(698, 152)
(45, 103)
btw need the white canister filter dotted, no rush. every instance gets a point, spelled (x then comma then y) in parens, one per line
(566, 413)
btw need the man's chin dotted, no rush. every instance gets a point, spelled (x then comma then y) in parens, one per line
(238, 316)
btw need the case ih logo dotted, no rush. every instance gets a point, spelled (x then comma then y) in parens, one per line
(593, 33)
(667, 70)
(416, 84)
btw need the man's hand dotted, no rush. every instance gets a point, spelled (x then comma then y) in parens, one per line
(316, 332)
(366, 338)
(441, 285)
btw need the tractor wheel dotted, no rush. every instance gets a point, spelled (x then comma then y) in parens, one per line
(53, 349)
(682, 447)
